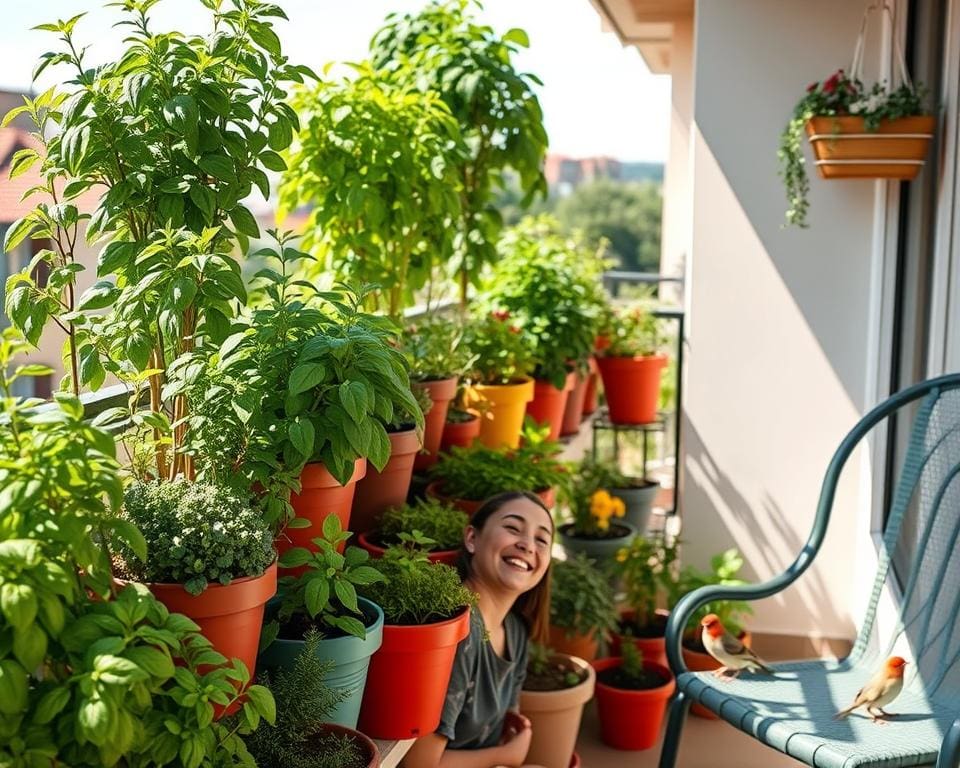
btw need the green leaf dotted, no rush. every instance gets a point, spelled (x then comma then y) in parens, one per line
(182, 116)
(379, 447)
(262, 699)
(364, 574)
(138, 346)
(353, 398)
(116, 254)
(346, 594)
(13, 687)
(302, 435)
(155, 662)
(518, 36)
(22, 161)
(305, 376)
(182, 292)
(272, 161)
(30, 646)
(116, 670)
(316, 593)
(202, 197)
(94, 720)
(51, 704)
(129, 534)
(98, 296)
(294, 557)
(18, 603)
(244, 221)
(219, 166)
(18, 232)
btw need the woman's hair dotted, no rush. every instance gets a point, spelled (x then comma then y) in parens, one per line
(533, 606)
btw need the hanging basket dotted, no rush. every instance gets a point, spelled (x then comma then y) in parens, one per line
(845, 149)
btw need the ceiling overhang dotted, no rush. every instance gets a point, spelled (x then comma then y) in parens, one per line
(646, 24)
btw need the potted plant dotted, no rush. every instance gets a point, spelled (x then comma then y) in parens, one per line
(632, 695)
(855, 132)
(440, 524)
(426, 613)
(582, 608)
(631, 365)
(466, 477)
(209, 556)
(303, 734)
(555, 690)
(500, 384)
(598, 528)
(461, 429)
(591, 398)
(637, 493)
(645, 569)
(323, 597)
(537, 283)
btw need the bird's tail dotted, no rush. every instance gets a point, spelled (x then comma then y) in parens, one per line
(844, 712)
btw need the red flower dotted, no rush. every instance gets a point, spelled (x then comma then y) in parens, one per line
(514, 329)
(812, 87)
(500, 314)
(831, 83)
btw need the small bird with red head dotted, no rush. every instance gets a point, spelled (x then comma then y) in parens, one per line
(882, 688)
(727, 649)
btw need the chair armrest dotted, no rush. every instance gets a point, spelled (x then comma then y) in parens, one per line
(949, 756)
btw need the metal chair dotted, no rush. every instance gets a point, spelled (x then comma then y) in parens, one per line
(793, 710)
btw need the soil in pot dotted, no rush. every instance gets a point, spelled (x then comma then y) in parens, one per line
(296, 627)
(646, 679)
(649, 638)
(655, 628)
(600, 548)
(559, 674)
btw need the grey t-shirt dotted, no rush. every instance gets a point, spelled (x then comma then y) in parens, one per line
(483, 685)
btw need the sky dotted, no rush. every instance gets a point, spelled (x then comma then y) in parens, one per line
(598, 98)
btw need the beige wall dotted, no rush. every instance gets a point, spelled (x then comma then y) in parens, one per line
(779, 324)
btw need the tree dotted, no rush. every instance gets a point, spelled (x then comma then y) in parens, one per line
(626, 214)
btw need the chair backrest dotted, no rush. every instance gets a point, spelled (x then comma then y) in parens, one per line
(921, 553)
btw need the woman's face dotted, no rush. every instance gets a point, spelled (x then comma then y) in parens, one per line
(512, 550)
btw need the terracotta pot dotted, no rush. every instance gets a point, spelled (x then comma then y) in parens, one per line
(230, 615)
(591, 398)
(445, 556)
(460, 433)
(555, 716)
(573, 413)
(581, 646)
(653, 648)
(501, 408)
(380, 490)
(632, 719)
(320, 495)
(597, 549)
(549, 403)
(441, 393)
(370, 749)
(844, 149)
(434, 491)
(704, 662)
(408, 678)
(632, 385)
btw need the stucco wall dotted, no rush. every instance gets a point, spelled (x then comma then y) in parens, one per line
(778, 319)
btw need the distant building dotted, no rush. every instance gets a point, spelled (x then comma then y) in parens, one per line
(564, 174)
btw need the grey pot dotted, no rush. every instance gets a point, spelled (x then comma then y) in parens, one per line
(639, 502)
(599, 550)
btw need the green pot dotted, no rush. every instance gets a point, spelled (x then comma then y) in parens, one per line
(350, 655)
(599, 550)
(638, 500)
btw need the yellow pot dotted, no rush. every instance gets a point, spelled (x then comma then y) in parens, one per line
(501, 408)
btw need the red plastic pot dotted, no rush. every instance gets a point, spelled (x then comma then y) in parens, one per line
(320, 494)
(441, 393)
(460, 433)
(445, 556)
(230, 615)
(653, 648)
(549, 403)
(573, 413)
(632, 386)
(591, 398)
(408, 677)
(631, 719)
(434, 491)
(387, 488)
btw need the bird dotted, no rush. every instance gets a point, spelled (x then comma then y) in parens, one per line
(727, 649)
(883, 688)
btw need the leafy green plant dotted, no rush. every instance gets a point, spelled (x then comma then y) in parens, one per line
(90, 676)
(304, 704)
(548, 672)
(502, 355)
(724, 568)
(175, 133)
(479, 472)
(377, 162)
(440, 522)
(537, 281)
(587, 496)
(414, 590)
(581, 601)
(632, 332)
(326, 593)
(838, 95)
(445, 51)
(631, 661)
(435, 349)
(196, 533)
(646, 568)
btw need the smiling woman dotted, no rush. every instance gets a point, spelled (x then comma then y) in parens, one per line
(506, 561)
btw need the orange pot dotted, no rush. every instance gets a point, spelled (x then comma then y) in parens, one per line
(573, 413)
(845, 149)
(501, 408)
(460, 433)
(631, 719)
(408, 677)
(320, 494)
(230, 615)
(387, 488)
(632, 385)
(581, 646)
(441, 393)
(591, 398)
(371, 753)
(653, 648)
(445, 556)
(433, 491)
(704, 662)
(549, 403)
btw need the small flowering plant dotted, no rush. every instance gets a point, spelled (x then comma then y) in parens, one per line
(631, 331)
(592, 519)
(840, 95)
(502, 355)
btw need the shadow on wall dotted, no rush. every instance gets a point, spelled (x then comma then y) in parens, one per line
(764, 536)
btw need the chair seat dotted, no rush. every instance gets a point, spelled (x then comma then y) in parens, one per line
(793, 711)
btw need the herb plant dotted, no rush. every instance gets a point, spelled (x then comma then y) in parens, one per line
(581, 601)
(414, 590)
(633, 332)
(440, 522)
(196, 533)
(501, 353)
(646, 570)
(588, 497)
(435, 349)
(724, 568)
(546, 672)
